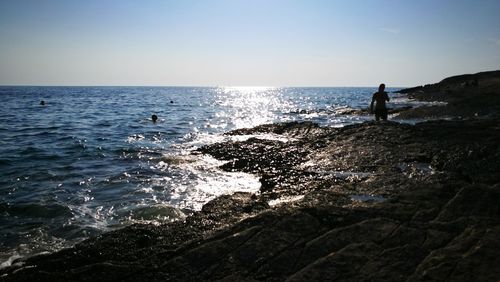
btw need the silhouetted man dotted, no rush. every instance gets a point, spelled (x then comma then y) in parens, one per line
(380, 98)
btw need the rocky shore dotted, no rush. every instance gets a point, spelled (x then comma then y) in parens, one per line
(368, 202)
(471, 95)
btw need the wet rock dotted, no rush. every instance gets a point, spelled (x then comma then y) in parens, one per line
(292, 129)
(236, 203)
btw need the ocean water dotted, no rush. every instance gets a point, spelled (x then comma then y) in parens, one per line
(91, 159)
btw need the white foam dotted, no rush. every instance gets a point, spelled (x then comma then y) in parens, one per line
(210, 183)
(10, 260)
(285, 199)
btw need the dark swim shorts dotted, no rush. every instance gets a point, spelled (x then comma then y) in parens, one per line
(381, 113)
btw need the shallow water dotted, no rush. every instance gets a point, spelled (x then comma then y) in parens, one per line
(91, 160)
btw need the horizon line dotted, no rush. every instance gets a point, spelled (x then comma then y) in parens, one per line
(194, 86)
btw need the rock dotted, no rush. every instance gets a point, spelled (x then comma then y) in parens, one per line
(465, 96)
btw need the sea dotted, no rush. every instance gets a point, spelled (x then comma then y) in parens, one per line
(91, 160)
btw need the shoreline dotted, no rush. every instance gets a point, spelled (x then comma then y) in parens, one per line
(380, 201)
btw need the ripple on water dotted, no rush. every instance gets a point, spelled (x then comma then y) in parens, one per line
(158, 213)
(5, 162)
(35, 210)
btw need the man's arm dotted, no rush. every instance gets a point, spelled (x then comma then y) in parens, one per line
(371, 104)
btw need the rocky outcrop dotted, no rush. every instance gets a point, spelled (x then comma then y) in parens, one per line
(470, 95)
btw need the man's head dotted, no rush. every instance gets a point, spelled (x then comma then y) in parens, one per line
(381, 88)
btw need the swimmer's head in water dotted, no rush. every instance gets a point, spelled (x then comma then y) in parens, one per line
(154, 118)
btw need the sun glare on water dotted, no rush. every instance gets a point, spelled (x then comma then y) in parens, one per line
(248, 89)
(250, 106)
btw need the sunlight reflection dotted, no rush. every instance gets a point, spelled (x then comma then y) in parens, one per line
(249, 106)
(247, 89)
(209, 183)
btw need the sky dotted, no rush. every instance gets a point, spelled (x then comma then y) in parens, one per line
(246, 42)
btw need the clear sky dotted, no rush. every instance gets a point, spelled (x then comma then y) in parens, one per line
(246, 42)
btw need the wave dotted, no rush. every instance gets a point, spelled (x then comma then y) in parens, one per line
(35, 210)
(31, 129)
(34, 153)
(4, 162)
(159, 213)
